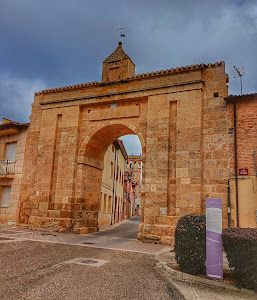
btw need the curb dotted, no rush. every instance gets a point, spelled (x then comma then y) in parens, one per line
(190, 277)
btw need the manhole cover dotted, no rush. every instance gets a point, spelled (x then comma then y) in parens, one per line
(86, 261)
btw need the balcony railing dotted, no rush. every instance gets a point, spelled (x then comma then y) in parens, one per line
(7, 167)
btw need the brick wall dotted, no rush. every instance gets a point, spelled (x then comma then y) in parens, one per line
(246, 123)
(246, 111)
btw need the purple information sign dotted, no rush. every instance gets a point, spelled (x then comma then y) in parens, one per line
(214, 259)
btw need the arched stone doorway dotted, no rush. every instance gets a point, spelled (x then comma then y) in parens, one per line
(89, 173)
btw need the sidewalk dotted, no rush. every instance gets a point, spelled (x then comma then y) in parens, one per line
(194, 287)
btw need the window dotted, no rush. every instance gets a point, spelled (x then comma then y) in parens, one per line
(6, 192)
(8, 165)
(104, 202)
(11, 151)
(101, 202)
(110, 204)
(117, 174)
(111, 169)
(112, 149)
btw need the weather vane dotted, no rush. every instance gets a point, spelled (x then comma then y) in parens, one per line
(122, 34)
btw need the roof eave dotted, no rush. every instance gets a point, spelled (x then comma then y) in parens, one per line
(235, 98)
(135, 77)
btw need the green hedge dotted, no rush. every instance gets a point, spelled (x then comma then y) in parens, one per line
(190, 244)
(240, 245)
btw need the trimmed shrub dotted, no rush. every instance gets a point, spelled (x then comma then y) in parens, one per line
(190, 244)
(240, 245)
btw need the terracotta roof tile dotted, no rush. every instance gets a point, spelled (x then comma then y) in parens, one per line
(14, 124)
(233, 98)
(120, 53)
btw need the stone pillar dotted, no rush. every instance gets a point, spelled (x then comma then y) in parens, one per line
(155, 225)
(87, 196)
(189, 153)
(56, 164)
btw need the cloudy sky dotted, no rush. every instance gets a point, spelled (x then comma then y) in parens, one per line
(51, 43)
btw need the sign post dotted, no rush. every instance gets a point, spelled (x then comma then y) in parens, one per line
(214, 258)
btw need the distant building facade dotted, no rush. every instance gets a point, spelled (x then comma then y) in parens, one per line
(129, 196)
(112, 189)
(134, 170)
(12, 149)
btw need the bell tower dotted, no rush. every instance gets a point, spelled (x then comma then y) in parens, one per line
(118, 66)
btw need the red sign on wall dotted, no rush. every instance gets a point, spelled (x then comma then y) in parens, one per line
(243, 171)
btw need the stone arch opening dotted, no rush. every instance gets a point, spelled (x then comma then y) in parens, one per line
(95, 146)
(90, 169)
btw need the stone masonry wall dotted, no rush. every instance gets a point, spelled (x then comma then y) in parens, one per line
(183, 129)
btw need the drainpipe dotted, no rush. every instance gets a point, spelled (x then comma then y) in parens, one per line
(229, 210)
(254, 154)
(235, 149)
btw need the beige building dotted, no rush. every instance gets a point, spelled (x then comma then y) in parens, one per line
(12, 148)
(112, 189)
(134, 169)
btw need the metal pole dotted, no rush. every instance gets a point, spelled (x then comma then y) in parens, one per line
(229, 210)
(241, 84)
(254, 154)
(235, 149)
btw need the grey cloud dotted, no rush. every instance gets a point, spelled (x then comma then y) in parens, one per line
(64, 42)
(16, 97)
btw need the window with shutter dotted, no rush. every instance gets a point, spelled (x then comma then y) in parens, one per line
(6, 192)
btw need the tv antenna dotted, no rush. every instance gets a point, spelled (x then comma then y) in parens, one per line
(239, 73)
(122, 34)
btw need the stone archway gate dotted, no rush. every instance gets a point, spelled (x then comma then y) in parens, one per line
(180, 117)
